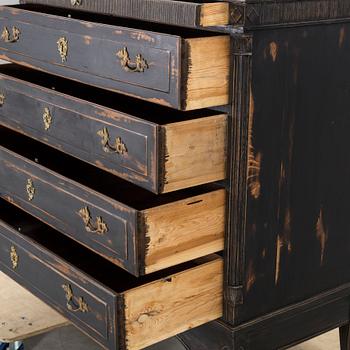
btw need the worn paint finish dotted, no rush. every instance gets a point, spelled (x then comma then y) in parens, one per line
(297, 229)
(189, 14)
(160, 51)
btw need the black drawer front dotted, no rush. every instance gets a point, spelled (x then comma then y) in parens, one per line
(88, 305)
(104, 226)
(140, 63)
(81, 129)
(165, 11)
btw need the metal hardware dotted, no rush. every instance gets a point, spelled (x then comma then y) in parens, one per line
(119, 146)
(62, 46)
(100, 227)
(47, 118)
(2, 99)
(74, 304)
(30, 189)
(139, 66)
(6, 35)
(14, 257)
(75, 2)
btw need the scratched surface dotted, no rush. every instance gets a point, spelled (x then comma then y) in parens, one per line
(297, 233)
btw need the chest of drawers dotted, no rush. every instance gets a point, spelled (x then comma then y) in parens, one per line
(139, 138)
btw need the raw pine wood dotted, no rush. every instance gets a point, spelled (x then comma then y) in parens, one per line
(184, 230)
(167, 307)
(208, 61)
(215, 14)
(22, 314)
(195, 152)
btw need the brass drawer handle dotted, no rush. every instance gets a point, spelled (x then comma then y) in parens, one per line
(30, 189)
(2, 99)
(100, 227)
(119, 146)
(47, 118)
(62, 47)
(14, 257)
(74, 304)
(75, 2)
(139, 66)
(6, 35)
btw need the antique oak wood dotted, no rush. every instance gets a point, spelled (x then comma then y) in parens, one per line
(131, 227)
(117, 310)
(181, 13)
(186, 73)
(169, 150)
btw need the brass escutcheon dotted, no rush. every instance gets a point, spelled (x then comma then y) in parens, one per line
(6, 35)
(30, 189)
(47, 118)
(139, 66)
(74, 304)
(100, 227)
(2, 99)
(119, 146)
(62, 46)
(14, 257)
(75, 2)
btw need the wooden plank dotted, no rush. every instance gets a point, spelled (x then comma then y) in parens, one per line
(164, 308)
(184, 230)
(215, 14)
(208, 62)
(195, 152)
(22, 314)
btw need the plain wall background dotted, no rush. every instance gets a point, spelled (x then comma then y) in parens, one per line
(8, 2)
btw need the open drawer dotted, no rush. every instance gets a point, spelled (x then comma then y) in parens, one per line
(155, 147)
(183, 69)
(202, 13)
(131, 227)
(117, 310)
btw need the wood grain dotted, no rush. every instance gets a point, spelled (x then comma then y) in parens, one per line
(215, 14)
(184, 230)
(195, 152)
(207, 67)
(181, 13)
(165, 308)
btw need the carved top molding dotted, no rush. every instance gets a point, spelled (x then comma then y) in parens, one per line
(253, 13)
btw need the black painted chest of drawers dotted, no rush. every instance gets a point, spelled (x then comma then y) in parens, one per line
(165, 164)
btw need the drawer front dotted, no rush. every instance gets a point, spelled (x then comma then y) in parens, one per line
(142, 64)
(115, 142)
(181, 13)
(88, 305)
(102, 225)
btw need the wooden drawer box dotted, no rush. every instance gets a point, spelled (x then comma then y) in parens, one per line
(181, 69)
(189, 13)
(164, 151)
(114, 308)
(133, 228)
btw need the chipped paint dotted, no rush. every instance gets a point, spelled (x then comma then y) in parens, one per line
(273, 51)
(142, 36)
(87, 39)
(254, 161)
(279, 246)
(322, 235)
(342, 35)
(251, 278)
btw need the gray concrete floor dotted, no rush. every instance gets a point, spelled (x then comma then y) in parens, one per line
(69, 338)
